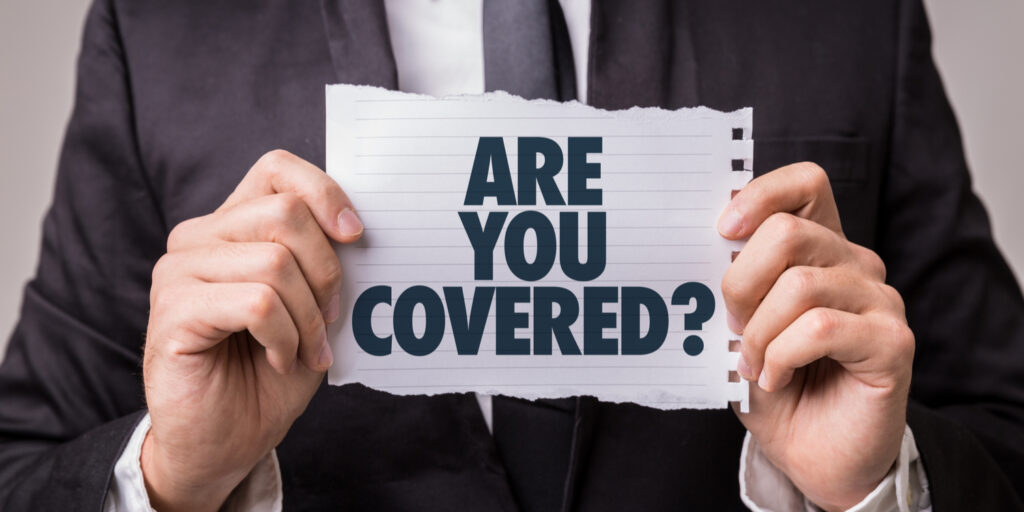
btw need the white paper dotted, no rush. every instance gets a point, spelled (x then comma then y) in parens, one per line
(405, 161)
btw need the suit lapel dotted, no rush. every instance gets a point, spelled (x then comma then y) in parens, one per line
(641, 53)
(357, 36)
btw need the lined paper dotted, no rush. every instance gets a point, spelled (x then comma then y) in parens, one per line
(405, 161)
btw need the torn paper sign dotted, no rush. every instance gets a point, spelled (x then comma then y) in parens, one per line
(535, 249)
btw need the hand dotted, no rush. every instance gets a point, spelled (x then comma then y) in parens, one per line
(824, 337)
(236, 344)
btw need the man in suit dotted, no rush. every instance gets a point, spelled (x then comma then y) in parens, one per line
(160, 227)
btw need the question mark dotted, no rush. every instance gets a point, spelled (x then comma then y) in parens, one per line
(694, 320)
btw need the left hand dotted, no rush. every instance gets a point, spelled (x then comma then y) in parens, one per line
(824, 337)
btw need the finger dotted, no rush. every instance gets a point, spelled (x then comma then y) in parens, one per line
(267, 263)
(207, 313)
(282, 172)
(878, 349)
(802, 189)
(279, 218)
(798, 290)
(781, 242)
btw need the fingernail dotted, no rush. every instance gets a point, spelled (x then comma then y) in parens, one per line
(762, 381)
(744, 369)
(333, 310)
(326, 358)
(734, 324)
(349, 223)
(731, 223)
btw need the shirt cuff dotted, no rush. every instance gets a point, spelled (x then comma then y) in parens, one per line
(765, 488)
(261, 491)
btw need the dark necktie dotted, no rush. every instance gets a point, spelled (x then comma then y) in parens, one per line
(527, 53)
(527, 50)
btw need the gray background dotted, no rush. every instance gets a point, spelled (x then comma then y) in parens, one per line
(977, 48)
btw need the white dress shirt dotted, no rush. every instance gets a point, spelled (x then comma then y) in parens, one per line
(438, 48)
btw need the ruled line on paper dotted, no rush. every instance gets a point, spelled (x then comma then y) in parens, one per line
(561, 209)
(516, 384)
(549, 135)
(471, 264)
(463, 192)
(460, 229)
(478, 118)
(510, 154)
(516, 281)
(459, 172)
(527, 246)
(514, 367)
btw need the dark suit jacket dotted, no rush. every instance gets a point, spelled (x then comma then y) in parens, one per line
(176, 100)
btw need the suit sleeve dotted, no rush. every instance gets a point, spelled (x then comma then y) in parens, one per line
(70, 384)
(963, 303)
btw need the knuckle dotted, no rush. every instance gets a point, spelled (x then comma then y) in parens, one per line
(802, 283)
(166, 308)
(754, 346)
(332, 276)
(261, 301)
(871, 261)
(180, 233)
(902, 342)
(162, 269)
(173, 345)
(754, 192)
(276, 259)
(783, 227)
(274, 159)
(290, 339)
(311, 323)
(772, 358)
(892, 295)
(821, 323)
(164, 288)
(289, 206)
(815, 175)
(160, 300)
(899, 345)
(286, 209)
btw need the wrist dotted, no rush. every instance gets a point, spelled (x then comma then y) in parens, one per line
(839, 496)
(828, 486)
(171, 488)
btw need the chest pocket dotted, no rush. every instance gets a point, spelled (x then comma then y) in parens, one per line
(846, 160)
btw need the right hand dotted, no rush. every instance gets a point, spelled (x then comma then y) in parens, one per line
(236, 344)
